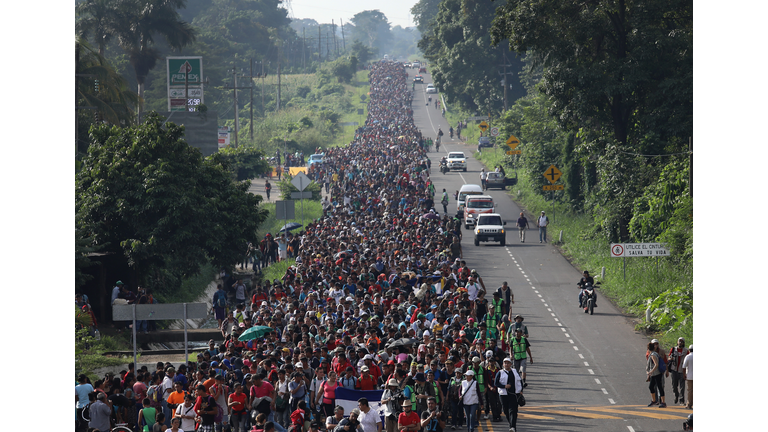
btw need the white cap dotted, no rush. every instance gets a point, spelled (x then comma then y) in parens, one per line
(469, 372)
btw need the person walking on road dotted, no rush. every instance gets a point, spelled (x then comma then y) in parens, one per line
(518, 348)
(510, 385)
(688, 372)
(522, 225)
(267, 188)
(676, 356)
(542, 224)
(654, 374)
(483, 177)
(444, 202)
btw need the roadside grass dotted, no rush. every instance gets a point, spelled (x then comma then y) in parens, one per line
(646, 278)
(277, 270)
(359, 87)
(312, 210)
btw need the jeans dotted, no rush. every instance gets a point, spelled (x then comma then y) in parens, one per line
(470, 412)
(457, 414)
(283, 417)
(237, 421)
(678, 384)
(141, 325)
(542, 234)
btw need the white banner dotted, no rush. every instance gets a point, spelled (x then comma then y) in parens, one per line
(629, 250)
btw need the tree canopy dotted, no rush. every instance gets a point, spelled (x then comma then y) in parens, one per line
(465, 66)
(144, 193)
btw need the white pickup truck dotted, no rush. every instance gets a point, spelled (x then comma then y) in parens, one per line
(457, 161)
(490, 228)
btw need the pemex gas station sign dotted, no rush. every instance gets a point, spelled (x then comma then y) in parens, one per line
(185, 82)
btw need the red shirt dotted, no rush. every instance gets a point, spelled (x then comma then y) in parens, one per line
(408, 419)
(366, 382)
(265, 390)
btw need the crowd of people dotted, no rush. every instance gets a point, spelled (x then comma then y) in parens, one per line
(380, 298)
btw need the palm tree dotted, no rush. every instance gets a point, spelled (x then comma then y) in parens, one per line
(99, 19)
(113, 100)
(137, 32)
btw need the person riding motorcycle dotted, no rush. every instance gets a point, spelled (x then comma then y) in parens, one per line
(443, 164)
(587, 281)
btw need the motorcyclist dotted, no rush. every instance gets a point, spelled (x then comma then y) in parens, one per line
(443, 163)
(587, 280)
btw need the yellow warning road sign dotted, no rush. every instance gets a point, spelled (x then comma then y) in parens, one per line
(554, 187)
(513, 152)
(483, 126)
(512, 142)
(552, 174)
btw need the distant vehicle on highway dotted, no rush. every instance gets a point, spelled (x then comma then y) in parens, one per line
(416, 64)
(422, 69)
(418, 79)
(431, 88)
(316, 159)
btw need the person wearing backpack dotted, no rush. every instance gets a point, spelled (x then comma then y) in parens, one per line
(654, 374)
(220, 304)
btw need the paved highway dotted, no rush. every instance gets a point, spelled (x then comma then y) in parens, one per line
(588, 373)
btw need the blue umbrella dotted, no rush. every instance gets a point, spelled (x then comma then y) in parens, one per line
(291, 226)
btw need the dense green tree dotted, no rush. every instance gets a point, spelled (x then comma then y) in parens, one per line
(465, 66)
(98, 20)
(373, 29)
(144, 193)
(620, 64)
(621, 76)
(362, 51)
(424, 11)
(139, 28)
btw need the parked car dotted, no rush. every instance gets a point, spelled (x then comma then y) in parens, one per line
(483, 142)
(316, 159)
(499, 180)
(431, 88)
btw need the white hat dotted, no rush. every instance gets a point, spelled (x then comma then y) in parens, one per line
(508, 360)
(469, 372)
(488, 354)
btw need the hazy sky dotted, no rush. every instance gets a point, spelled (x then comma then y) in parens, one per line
(397, 11)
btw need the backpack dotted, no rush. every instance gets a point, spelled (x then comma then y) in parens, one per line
(154, 394)
(221, 300)
(662, 365)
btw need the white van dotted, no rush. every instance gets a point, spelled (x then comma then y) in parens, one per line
(467, 189)
(476, 205)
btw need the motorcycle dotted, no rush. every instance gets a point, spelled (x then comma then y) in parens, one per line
(444, 168)
(588, 297)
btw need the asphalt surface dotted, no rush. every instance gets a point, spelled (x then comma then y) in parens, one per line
(589, 370)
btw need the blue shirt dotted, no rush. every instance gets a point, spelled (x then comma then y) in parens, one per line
(81, 391)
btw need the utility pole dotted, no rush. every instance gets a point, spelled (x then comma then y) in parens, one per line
(335, 45)
(250, 87)
(303, 47)
(341, 23)
(237, 120)
(279, 44)
(319, 44)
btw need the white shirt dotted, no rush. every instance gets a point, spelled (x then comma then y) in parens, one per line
(472, 290)
(188, 424)
(369, 420)
(688, 366)
(503, 381)
(543, 221)
(469, 390)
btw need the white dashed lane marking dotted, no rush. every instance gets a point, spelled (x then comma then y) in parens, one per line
(565, 333)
